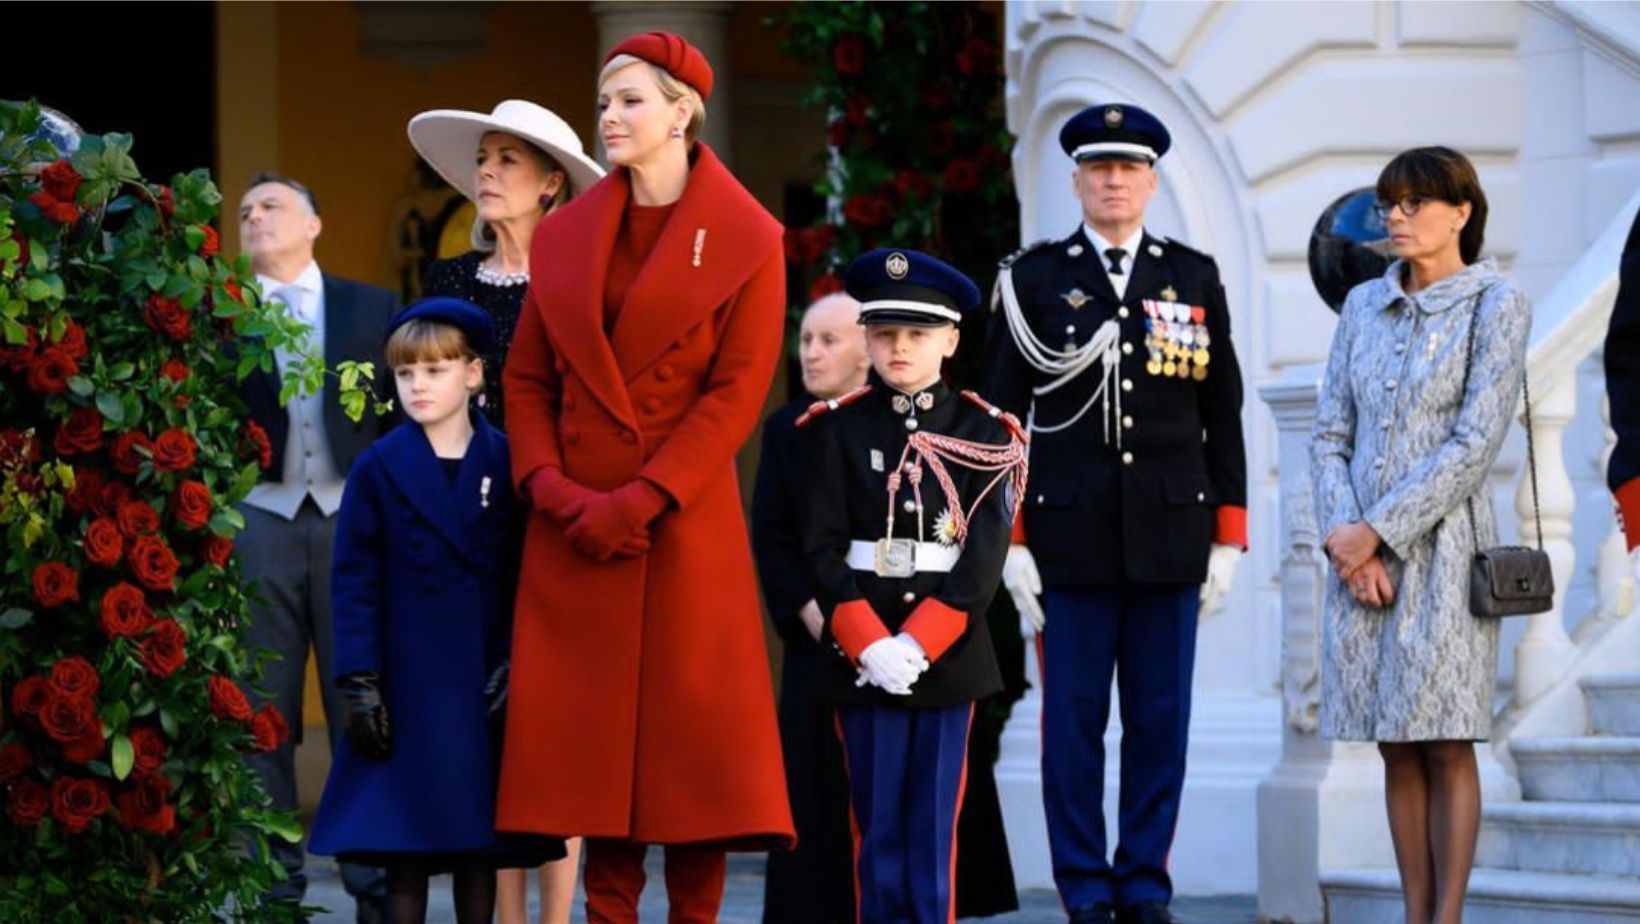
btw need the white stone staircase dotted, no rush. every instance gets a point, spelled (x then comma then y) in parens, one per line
(1568, 853)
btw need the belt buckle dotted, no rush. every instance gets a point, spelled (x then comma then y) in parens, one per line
(896, 558)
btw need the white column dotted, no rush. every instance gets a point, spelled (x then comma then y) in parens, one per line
(705, 23)
(1322, 806)
(1545, 651)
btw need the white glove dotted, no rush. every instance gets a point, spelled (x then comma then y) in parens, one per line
(1221, 574)
(1024, 584)
(891, 664)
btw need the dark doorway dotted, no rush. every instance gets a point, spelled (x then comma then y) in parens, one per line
(148, 69)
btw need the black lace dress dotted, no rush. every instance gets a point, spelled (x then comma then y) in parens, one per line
(459, 277)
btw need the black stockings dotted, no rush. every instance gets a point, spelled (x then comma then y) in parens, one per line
(1433, 792)
(473, 892)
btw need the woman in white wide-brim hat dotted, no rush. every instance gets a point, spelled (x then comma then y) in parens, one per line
(516, 164)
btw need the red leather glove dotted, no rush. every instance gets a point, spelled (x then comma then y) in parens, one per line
(605, 525)
(550, 490)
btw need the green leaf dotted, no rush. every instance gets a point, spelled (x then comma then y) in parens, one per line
(168, 723)
(15, 618)
(112, 408)
(81, 386)
(121, 371)
(123, 754)
(285, 825)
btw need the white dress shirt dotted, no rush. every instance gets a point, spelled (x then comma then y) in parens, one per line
(1130, 249)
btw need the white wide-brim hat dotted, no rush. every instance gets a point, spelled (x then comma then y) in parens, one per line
(448, 140)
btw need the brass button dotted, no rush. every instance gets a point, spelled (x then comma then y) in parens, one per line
(1127, 458)
(1127, 384)
(664, 372)
(910, 506)
(1127, 349)
(908, 596)
(1041, 499)
(1127, 423)
(1122, 312)
(1201, 496)
(911, 423)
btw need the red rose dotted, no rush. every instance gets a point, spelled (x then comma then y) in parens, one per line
(269, 729)
(56, 584)
(838, 134)
(125, 612)
(167, 316)
(82, 432)
(143, 806)
(260, 445)
(129, 450)
(86, 748)
(76, 803)
(15, 760)
(942, 137)
(28, 804)
(48, 374)
(857, 109)
(174, 451)
(73, 341)
(176, 370)
(962, 176)
(18, 449)
(68, 719)
(208, 247)
(163, 649)
(909, 184)
(227, 700)
(849, 55)
(153, 562)
(192, 505)
(234, 291)
(149, 746)
(19, 356)
(217, 550)
(60, 180)
(54, 209)
(22, 247)
(167, 202)
(74, 676)
(109, 499)
(87, 488)
(104, 544)
(977, 57)
(30, 697)
(824, 286)
(863, 211)
(137, 518)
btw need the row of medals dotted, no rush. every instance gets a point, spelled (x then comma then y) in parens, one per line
(1176, 340)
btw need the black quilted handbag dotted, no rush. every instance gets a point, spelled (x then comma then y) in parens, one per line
(1508, 580)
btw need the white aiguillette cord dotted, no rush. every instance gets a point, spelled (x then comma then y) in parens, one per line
(1064, 365)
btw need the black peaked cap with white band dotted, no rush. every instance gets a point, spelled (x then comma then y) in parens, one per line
(896, 285)
(1115, 131)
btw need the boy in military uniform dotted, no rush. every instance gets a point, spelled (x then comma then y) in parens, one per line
(912, 491)
(1115, 346)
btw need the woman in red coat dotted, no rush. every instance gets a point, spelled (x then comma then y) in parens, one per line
(640, 710)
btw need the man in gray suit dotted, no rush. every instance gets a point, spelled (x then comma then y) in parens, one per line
(290, 517)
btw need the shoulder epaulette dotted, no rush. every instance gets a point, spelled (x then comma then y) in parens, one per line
(1188, 249)
(821, 407)
(1006, 419)
(1010, 259)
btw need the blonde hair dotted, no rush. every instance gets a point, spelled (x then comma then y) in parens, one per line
(427, 341)
(672, 90)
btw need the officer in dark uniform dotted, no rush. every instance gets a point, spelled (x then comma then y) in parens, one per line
(1622, 357)
(1115, 346)
(911, 492)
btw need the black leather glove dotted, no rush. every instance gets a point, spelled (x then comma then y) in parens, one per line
(368, 728)
(495, 695)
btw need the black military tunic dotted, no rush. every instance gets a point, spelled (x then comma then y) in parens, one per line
(851, 453)
(1140, 494)
(1622, 357)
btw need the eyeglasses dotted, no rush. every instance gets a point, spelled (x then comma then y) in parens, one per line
(1409, 206)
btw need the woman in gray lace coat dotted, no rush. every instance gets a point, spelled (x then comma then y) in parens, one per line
(1400, 460)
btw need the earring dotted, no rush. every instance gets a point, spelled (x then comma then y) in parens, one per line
(677, 132)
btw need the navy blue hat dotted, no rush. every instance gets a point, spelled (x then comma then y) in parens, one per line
(900, 286)
(474, 321)
(1115, 131)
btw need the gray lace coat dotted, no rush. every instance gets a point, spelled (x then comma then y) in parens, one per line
(1399, 443)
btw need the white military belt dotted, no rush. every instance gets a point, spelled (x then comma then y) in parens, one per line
(901, 557)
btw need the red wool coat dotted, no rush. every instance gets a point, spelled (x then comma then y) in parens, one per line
(640, 705)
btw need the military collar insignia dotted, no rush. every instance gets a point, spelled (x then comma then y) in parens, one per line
(1075, 250)
(1076, 298)
(902, 404)
(1155, 250)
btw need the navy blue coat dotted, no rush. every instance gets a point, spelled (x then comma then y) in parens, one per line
(422, 595)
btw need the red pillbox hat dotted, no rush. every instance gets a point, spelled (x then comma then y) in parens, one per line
(670, 52)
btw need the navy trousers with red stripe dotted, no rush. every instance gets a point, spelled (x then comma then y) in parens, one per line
(907, 769)
(1146, 637)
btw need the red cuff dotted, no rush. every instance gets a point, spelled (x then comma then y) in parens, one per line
(1231, 528)
(935, 626)
(1628, 510)
(855, 626)
(1018, 537)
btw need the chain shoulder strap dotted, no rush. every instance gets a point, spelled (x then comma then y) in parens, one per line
(1531, 452)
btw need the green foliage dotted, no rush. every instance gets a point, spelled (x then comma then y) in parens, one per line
(123, 342)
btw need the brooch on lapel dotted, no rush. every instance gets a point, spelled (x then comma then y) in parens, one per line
(1076, 298)
(484, 492)
(700, 244)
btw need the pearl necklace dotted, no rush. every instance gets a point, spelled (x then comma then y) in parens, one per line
(493, 278)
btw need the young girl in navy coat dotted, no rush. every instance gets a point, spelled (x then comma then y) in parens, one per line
(425, 565)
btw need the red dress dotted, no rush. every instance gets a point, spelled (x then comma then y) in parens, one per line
(641, 705)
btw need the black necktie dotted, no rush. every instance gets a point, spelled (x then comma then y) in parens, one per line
(1115, 255)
